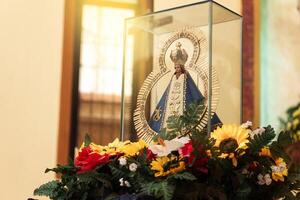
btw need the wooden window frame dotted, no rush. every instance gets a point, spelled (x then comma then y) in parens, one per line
(69, 95)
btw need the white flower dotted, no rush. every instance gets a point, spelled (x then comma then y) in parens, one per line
(127, 184)
(261, 180)
(168, 146)
(264, 179)
(268, 179)
(183, 140)
(124, 183)
(275, 169)
(133, 167)
(121, 180)
(257, 132)
(122, 161)
(247, 124)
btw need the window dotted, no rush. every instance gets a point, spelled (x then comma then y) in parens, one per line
(92, 70)
(100, 73)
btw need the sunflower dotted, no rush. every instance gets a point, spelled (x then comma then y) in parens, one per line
(164, 166)
(231, 137)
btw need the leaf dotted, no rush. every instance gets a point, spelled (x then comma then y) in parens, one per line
(185, 124)
(87, 140)
(63, 169)
(183, 176)
(243, 192)
(261, 140)
(112, 196)
(47, 189)
(158, 190)
(167, 190)
(94, 178)
(278, 151)
(284, 139)
(117, 173)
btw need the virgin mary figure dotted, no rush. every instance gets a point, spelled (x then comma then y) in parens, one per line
(181, 92)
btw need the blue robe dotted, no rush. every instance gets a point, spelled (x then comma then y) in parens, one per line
(191, 95)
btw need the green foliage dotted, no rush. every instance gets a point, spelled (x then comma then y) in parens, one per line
(159, 190)
(51, 189)
(63, 169)
(278, 147)
(75, 186)
(291, 122)
(87, 140)
(183, 176)
(261, 140)
(117, 173)
(185, 124)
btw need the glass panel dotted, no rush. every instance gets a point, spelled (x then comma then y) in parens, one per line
(226, 60)
(182, 37)
(170, 20)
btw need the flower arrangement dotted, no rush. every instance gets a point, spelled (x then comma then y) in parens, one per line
(183, 162)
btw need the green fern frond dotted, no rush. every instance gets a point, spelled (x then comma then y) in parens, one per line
(261, 140)
(49, 189)
(183, 176)
(159, 190)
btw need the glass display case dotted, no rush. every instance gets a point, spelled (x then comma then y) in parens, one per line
(176, 57)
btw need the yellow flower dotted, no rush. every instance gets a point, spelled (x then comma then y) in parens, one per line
(279, 170)
(296, 113)
(159, 163)
(230, 156)
(295, 123)
(265, 151)
(93, 146)
(117, 143)
(131, 149)
(231, 137)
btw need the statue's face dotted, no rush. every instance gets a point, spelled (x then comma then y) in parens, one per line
(178, 69)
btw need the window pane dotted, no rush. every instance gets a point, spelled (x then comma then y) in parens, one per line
(102, 48)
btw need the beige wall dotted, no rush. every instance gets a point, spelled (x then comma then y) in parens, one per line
(280, 63)
(235, 5)
(30, 54)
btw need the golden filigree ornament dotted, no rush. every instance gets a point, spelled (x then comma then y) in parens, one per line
(198, 64)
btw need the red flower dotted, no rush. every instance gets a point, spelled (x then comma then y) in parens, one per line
(187, 149)
(150, 155)
(198, 163)
(87, 160)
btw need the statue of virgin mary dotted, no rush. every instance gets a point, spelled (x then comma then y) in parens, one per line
(181, 92)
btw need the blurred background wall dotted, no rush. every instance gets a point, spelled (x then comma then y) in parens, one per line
(279, 58)
(30, 70)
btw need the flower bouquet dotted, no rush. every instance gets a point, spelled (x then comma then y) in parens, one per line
(182, 162)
